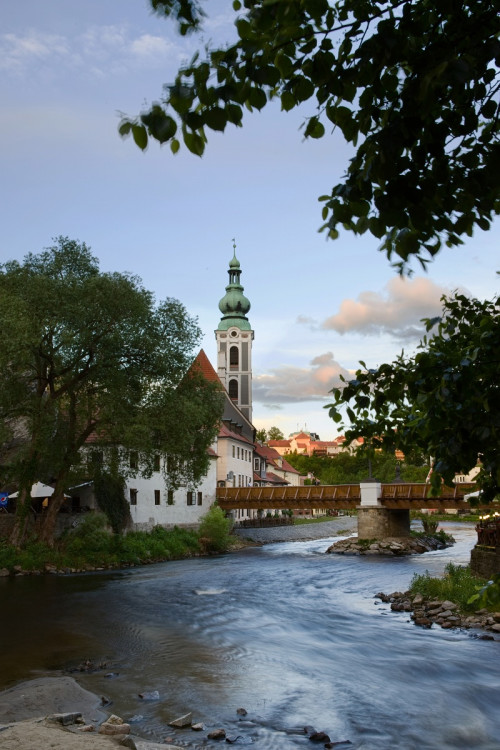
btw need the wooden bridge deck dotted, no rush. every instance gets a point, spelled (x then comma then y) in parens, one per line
(341, 497)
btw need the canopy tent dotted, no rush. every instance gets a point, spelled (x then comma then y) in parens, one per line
(38, 490)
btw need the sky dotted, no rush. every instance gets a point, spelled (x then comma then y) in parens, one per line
(67, 71)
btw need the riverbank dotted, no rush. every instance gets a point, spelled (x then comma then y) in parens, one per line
(300, 532)
(57, 712)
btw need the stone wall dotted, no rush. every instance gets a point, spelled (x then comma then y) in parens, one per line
(380, 523)
(485, 561)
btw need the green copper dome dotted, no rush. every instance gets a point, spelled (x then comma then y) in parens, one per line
(234, 305)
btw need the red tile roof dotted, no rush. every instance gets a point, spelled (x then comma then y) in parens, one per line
(203, 365)
(225, 432)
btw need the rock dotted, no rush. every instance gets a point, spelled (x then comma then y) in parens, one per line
(152, 695)
(114, 719)
(105, 701)
(113, 729)
(496, 627)
(319, 737)
(243, 711)
(182, 721)
(88, 728)
(417, 599)
(145, 745)
(449, 605)
(4, 572)
(65, 719)
(199, 727)
(217, 734)
(128, 742)
(233, 738)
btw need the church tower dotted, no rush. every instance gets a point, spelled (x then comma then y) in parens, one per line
(234, 338)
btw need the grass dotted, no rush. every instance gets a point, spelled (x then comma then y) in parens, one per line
(457, 585)
(91, 546)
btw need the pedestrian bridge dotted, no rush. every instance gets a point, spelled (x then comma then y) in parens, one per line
(392, 496)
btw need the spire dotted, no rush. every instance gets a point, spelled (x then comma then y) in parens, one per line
(234, 306)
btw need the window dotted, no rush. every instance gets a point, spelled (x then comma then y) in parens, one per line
(170, 497)
(233, 390)
(238, 452)
(233, 358)
(96, 458)
(234, 451)
(156, 463)
(200, 498)
(256, 464)
(133, 497)
(191, 499)
(157, 497)
(133, 460)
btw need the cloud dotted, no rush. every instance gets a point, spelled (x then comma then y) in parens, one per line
(289, 384)
(397, 311)
(18, 52)
(99, 51)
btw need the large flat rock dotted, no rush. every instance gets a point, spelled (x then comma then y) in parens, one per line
(47, 695)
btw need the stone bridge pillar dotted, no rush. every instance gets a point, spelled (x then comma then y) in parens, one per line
(377, 522)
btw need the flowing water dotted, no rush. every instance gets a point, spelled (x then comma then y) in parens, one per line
(291, 634)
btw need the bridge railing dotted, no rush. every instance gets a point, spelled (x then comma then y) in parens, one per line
(307, 493)
(419, 490)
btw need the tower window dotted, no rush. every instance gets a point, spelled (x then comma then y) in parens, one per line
(233, 389)
(234, 358)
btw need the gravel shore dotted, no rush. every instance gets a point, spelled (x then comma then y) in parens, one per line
(301, 533)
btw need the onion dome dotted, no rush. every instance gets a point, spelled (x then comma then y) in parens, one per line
(234, 306)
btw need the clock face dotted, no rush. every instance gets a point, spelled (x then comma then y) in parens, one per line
(234, 333)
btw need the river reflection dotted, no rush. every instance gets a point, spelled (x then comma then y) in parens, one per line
(291, 634)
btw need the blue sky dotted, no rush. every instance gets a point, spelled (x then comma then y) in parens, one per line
(67, 69)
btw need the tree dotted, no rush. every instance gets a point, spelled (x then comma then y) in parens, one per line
(274, 433)
(412, 84)
(261, 435)
(444, 400)
(91, 355)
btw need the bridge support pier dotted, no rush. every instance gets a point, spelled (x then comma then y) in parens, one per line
(377, 522)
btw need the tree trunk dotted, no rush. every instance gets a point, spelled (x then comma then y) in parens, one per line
(48, 527)
(23, 513)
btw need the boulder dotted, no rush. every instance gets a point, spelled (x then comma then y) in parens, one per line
(182, 721)
(217, 734)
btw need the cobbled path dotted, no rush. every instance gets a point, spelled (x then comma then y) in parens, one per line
(301, 533)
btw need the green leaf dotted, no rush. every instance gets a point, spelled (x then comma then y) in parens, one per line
(124, 128)
(140, 136)
(194, 143)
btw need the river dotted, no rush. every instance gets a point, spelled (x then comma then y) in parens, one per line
(292, 635)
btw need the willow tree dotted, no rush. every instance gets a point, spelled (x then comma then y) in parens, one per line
(81, 353)
(411, 84)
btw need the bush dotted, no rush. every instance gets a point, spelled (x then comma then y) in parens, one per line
(109, 491)
(458, 585)
(214, 530)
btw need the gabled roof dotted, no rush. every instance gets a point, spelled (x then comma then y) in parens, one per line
(225, 432)
(279, 443)
(202, 364)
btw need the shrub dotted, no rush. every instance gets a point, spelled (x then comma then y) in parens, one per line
(110, 495)
(214, 530)
(458, 585)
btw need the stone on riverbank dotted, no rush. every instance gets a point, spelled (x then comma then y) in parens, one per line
(182, 721)
(427, 612)
(391, 546)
